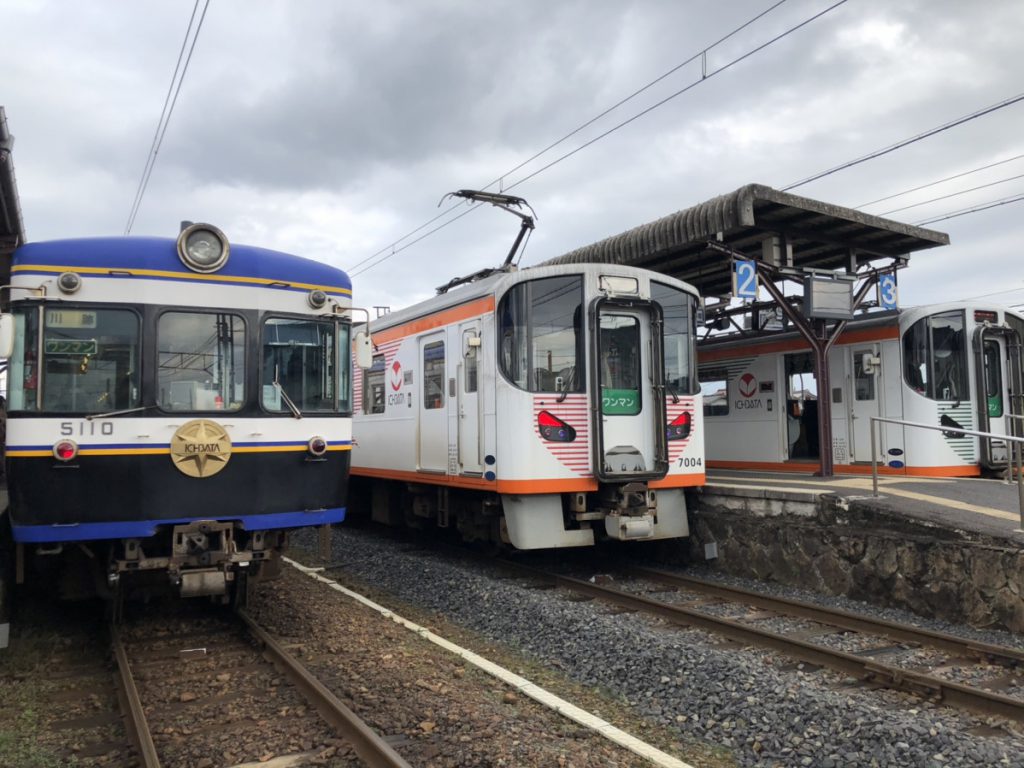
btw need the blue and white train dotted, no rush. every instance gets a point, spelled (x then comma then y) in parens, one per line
(173, 408)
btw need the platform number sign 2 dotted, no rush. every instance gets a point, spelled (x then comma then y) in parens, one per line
(744, 280)
(887, 291)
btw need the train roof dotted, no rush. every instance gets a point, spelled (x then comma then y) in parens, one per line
(157, 258)
(494, 283)
(822, 236)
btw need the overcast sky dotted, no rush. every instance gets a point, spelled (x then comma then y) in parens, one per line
(331, 130)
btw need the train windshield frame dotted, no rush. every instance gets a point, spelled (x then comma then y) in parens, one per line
(679, 339)
(935, 357)
(71, 358)
(306, 359)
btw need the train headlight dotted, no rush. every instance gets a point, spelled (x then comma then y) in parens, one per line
(65, 450)
(317, 299)
(317, 446)
(203, 248)
(554, 429)
(69, 282)
(679, 429)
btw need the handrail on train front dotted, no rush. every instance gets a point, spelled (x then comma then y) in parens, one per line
(1016, 453)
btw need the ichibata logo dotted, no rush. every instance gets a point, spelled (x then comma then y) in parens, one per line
(747, 385)
(396, 376)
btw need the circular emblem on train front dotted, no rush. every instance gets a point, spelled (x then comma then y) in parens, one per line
(200, 448)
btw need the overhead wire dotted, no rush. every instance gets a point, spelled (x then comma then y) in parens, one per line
(703, 52)
(975, 209)
(704, 78)
(165, 113)
(911, 140)
(940, 181)
(953, 194)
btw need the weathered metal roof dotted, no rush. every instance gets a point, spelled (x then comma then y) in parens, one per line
(752, 220)
(12, 228)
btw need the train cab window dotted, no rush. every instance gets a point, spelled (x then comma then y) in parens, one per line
(300, 366)
(619, 365)
(90, 360)
(200, 361)
(541, 334)
(714, 387)
(433, 375)
(935, 357)
(678, 312)
(373, 386)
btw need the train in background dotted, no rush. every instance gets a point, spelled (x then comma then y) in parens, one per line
(957, 365)
(174, 407)
(546, 407)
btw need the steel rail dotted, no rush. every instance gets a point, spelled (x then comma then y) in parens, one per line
(995, 654)
(131, 704)
(368, 744)
(946, 692)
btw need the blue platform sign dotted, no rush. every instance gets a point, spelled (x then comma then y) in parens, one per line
(887, 291)
(744, 279)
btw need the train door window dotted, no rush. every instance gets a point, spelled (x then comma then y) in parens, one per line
(714, 387)
(200, 361)
(863, 382)
(433, 375)
(90, 360)
(344, 364)
(993, 378)
(801, 406)
(541, 334)
(619, 345)
(373, 386)
(678, 309)
(300, 369)
(471, 355)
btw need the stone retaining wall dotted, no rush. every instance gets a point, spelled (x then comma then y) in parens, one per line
(857, 549)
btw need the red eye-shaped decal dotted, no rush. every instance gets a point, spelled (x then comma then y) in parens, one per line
(554, 429)
(679, 429)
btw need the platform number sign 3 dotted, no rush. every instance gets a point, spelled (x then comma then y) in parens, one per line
(744, 279)
(887, 292)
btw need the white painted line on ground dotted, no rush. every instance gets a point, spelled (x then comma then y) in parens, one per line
(524, 686)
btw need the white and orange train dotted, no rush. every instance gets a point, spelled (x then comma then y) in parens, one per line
(550, 407)
(956, 365)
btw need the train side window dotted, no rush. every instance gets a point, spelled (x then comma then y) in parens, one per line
(714, 387)
(541, 334)
(373, 386)
(433, 375)
(200, 361)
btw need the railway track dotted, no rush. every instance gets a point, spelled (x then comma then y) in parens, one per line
(941, 668)
(221, 691)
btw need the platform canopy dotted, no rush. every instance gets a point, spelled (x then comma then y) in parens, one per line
(12, 228)
(763, 224)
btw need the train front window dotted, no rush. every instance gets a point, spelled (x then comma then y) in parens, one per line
(300, 365)
(619, 341)
(935, 357)
(541, 334)
(200, 361)
(89, 356)
(677, 308)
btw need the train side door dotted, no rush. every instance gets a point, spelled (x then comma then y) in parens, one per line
(864, 400)
(433, 400)
(468, 394)
(632, 415)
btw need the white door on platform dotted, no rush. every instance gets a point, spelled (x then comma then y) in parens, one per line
(468, 395)
(864, 401)
(433, 405)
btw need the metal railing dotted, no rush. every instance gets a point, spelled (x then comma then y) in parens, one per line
(1015, 459)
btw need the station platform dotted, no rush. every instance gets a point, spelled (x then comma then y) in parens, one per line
(976, 505)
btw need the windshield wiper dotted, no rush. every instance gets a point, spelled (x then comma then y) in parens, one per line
(672, 391)
(92, 416)
(284, 395)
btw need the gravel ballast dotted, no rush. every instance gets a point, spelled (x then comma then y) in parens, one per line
(766, 709)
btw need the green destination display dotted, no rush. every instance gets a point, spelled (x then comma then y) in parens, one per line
(620, 402)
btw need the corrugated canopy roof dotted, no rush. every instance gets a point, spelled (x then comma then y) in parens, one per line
(12, 228)
(754, 220)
